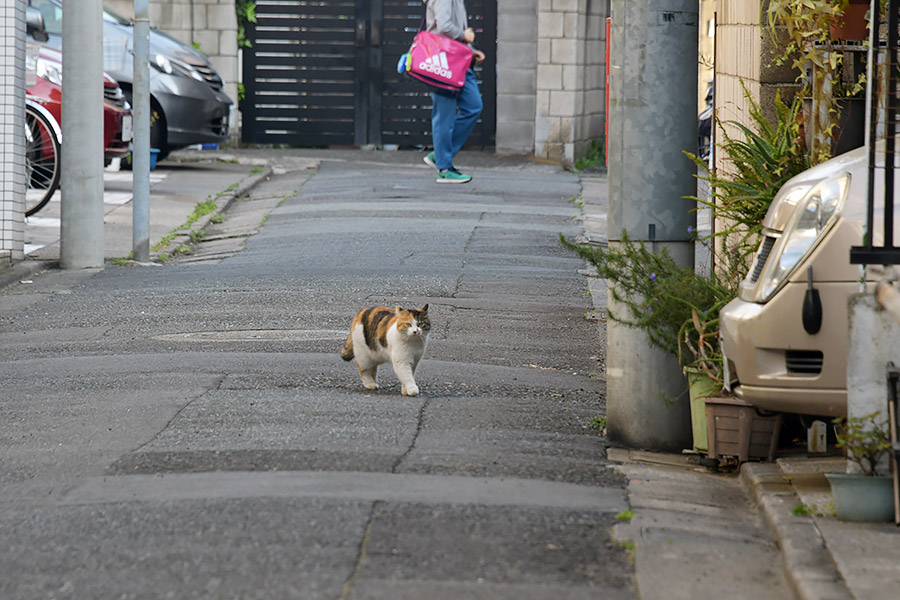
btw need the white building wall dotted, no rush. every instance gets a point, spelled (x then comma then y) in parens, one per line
(12, 132)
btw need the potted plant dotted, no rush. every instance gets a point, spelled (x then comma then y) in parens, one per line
(865, 492)
(678, 307)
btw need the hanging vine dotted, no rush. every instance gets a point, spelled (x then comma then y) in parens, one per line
(246, 13)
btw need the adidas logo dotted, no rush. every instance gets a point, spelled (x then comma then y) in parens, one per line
(437, 65)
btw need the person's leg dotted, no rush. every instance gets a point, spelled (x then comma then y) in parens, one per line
(469, 107)
(443, 114)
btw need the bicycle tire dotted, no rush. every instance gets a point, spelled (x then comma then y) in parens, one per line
(42, 160)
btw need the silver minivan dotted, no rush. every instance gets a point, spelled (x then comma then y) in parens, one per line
(778, 358)
(188, 101)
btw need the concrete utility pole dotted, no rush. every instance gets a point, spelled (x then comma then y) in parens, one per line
(652, 119)
(81, 229)
(140, 159)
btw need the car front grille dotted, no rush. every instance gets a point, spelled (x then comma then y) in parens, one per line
(114, 96)
(220, 126)
(803, 362)
(210, 76)
(761, 257)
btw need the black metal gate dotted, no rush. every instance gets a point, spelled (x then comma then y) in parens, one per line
(323, 73)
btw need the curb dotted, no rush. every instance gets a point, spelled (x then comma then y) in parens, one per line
(808, 565)
(25, 270)
(223, 203)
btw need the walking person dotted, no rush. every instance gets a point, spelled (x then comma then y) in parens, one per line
(453, 114)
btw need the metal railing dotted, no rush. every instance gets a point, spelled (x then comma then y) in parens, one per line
(887, 253)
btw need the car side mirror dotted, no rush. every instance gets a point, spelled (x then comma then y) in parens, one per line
(34, 24)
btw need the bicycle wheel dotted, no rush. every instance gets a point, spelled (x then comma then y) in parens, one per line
(42, 158)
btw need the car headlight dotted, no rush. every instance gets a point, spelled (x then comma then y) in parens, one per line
(813, 216)
(51, 71)
(169, 65)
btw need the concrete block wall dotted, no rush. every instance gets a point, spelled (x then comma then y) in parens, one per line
(744, 53)
(211, 24)
(874, 341)
(12, 132)
(571, 78)
(517, 41)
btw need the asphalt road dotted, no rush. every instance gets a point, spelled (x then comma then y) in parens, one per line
(190, 431)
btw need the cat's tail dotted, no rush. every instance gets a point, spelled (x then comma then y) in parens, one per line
(347, 350)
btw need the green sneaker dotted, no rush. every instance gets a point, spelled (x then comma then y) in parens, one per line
(451, 175)
(429, 160)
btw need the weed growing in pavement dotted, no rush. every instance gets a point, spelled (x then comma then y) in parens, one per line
(625, 515)
(118, 262)
(217, 218)
(802, 510)
(593, 159)
(629, 546)
(229, 189)
(598, 423)
(202, 209)
(196, 236)
(165, 241)
(256, 170)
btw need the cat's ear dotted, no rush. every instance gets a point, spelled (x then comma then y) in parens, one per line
(424, 309)
(399, 309)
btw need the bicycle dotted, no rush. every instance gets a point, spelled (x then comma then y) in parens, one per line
(43, 139)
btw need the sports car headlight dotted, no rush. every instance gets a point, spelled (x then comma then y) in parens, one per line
(814, 215)
(169, 65)
(51, 71)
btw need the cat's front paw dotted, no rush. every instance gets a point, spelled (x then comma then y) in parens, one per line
(412, 390)
(371, 386)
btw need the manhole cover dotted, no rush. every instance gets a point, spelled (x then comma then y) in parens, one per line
(256, 335)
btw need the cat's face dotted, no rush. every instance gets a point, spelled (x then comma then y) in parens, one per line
(413, 321)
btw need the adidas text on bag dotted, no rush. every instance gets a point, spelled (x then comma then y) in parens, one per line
(439, 61)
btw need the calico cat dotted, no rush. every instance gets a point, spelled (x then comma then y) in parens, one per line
(379, 335)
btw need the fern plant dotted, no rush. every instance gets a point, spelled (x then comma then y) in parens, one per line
(759, 163)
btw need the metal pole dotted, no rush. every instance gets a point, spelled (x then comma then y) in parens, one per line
(140, 158)
(81, 227)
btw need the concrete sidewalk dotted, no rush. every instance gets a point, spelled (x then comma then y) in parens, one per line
(822, 557)
(178, 185)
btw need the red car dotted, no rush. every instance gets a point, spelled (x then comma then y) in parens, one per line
(117, 120)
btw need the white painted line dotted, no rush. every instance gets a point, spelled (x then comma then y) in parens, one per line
(35, 221)
(117, 198)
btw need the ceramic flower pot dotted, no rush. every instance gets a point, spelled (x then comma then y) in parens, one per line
(861, 497)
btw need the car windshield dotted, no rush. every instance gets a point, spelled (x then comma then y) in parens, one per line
(112, 17)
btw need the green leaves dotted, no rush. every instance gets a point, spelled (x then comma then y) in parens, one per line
(866, 440)
(761, 161)
(661, 297)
